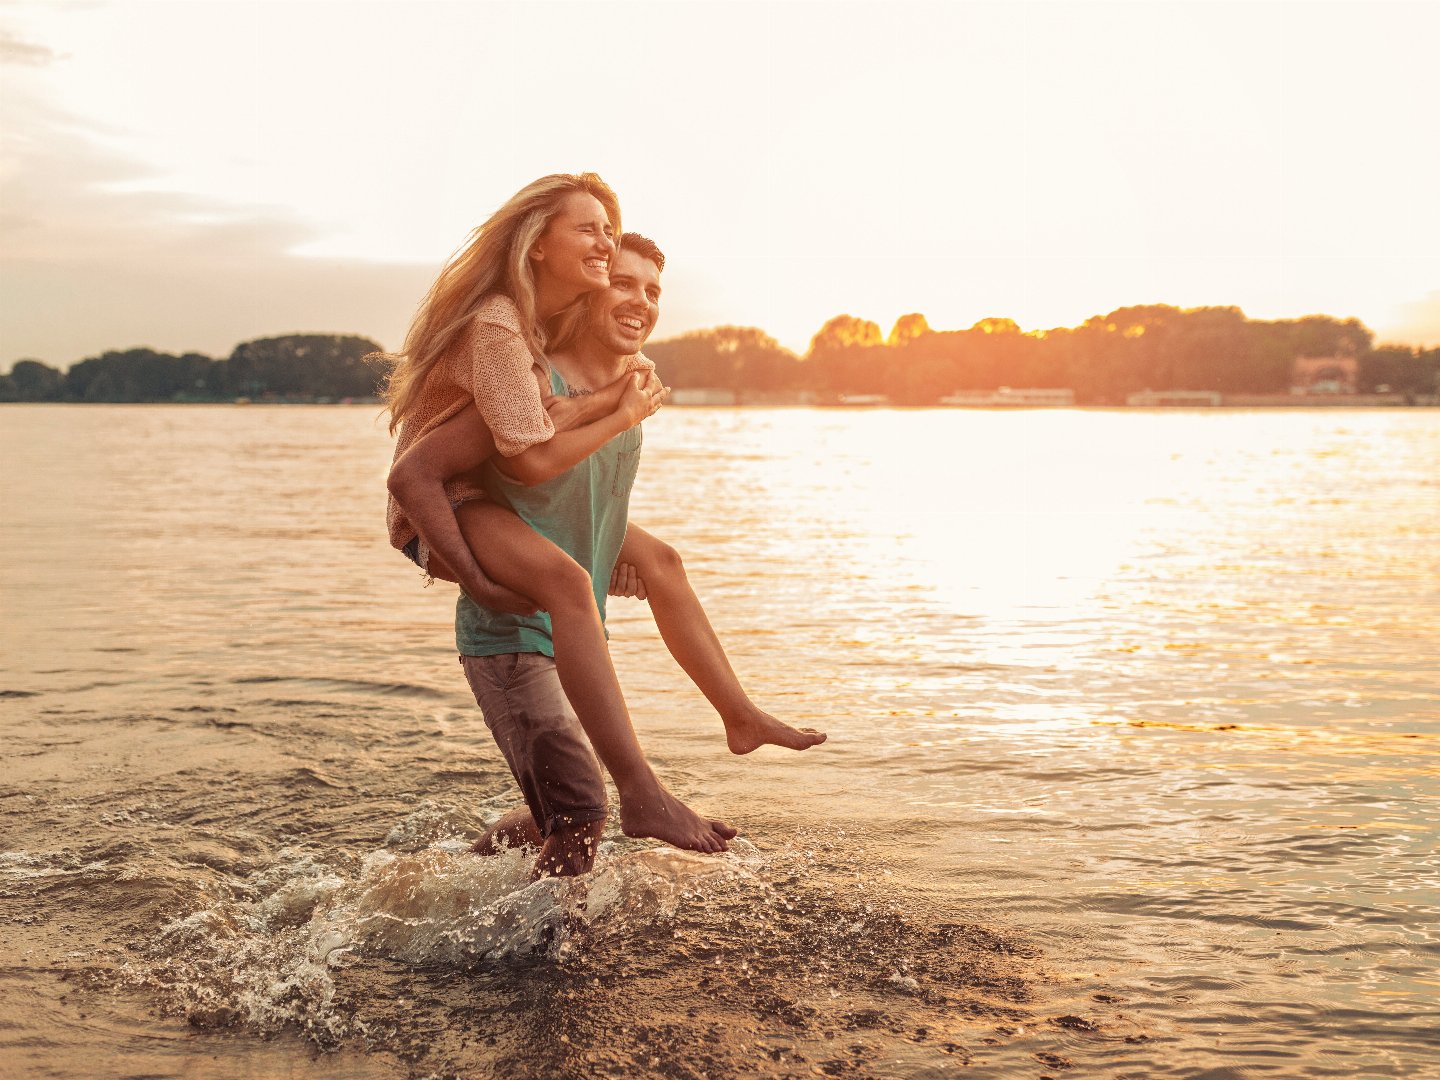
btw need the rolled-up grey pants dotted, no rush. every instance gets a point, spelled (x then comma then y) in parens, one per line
(548, 752)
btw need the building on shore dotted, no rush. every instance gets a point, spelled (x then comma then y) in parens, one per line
(701, 395)
(862, 399)
(1316, 401)
(1009, 396)
(1324, 375)
(1184, 399)
(788, 399)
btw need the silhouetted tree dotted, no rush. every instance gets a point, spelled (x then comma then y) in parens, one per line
(847, 357)
(907, 328)
(1147, 346)
(142, 375)
(844, 331)
(31, 380)
(303, 365)
(738, 358)
(1401, 369)
(925, 368)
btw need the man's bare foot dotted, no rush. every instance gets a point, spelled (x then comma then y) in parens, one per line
(515, 829)
(758, 729)
(661, 816)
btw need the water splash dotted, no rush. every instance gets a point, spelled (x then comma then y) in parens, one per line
(269, 956)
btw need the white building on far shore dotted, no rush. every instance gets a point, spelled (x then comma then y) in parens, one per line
(1182, 398)
(702, 395)
(1006, 395)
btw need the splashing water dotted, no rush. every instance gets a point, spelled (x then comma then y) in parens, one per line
(268, 956)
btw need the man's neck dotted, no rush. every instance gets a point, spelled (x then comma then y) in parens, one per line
(588, 365)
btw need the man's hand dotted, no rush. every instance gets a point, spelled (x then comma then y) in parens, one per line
(491, 594)
(624, 581)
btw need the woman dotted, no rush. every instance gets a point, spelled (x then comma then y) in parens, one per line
(478, 339)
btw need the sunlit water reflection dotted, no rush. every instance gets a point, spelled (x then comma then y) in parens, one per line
(1133, 719)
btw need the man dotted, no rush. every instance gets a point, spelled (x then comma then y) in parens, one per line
(507, 655)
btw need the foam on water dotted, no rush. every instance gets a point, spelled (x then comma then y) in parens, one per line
(267, 955)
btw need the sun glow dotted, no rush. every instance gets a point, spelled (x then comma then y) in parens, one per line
(983, 160)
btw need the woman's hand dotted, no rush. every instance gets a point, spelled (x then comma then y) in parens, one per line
(642, 398)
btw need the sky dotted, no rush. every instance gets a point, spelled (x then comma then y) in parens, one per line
(189, 175)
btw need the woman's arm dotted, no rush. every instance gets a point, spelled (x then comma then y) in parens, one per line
(640, 396)
(463, 443)
(573, 412)
(496, 366)
(568, 413)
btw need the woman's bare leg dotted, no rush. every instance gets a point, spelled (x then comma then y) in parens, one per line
(693, 643)
(519, 558)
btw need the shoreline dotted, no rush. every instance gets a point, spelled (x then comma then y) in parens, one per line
(1251, 403)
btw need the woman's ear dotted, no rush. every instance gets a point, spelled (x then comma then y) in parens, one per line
(537, 253)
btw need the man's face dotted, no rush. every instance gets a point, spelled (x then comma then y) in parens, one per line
(623, 313)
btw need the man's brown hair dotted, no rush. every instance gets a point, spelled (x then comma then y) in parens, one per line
(643, 246)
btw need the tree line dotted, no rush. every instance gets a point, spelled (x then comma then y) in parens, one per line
(295, 367)
(1150, 347)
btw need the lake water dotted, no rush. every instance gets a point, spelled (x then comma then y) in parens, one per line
(1134, 730)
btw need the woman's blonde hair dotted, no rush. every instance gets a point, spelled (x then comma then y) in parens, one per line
(494, 258)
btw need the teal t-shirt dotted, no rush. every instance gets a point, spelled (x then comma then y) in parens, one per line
(583, 511)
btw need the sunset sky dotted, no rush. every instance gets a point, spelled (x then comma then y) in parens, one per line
(191, 175)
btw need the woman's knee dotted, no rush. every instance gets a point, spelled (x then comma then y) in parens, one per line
(562, 582)
(660, 559)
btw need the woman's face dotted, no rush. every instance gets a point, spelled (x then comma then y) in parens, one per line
(576, 247)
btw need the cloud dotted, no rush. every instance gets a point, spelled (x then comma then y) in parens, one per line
(1414, 323)
(207, 306)
(25, 53)
(91, 260)
(88, 263)
(67, 195)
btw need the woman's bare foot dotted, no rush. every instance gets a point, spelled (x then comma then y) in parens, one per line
(757, 729)
(659, 815)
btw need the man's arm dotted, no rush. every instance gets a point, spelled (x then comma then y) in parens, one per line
(417, 481)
